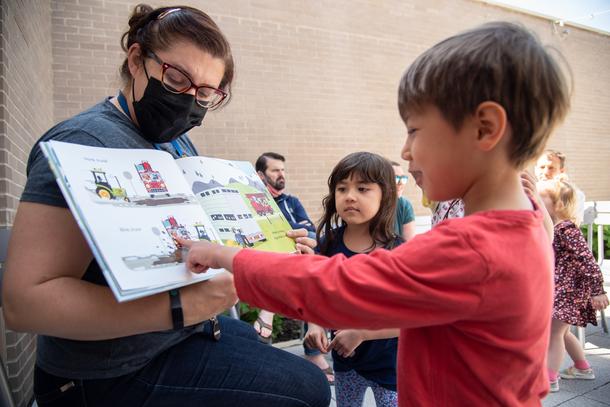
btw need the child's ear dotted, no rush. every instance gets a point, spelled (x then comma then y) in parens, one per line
(491, 121)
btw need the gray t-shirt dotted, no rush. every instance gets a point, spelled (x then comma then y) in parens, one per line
(105, 126)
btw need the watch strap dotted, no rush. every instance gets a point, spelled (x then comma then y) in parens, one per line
(176, 309)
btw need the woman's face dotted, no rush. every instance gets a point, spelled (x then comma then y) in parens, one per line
(200, 66)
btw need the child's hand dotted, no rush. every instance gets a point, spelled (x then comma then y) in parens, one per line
(305, 245)
(599, 302)
(203, 255)
(529, 185)
(316, 338)
(346, 341)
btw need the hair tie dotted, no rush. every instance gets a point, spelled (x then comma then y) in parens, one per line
(167, 12)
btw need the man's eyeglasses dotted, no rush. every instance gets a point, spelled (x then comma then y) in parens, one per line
(401, 179)
(176, 81)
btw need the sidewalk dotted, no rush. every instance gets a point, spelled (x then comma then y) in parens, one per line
(573, 393)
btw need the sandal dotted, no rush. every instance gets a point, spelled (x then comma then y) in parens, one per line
(263, 325)
(329, 372)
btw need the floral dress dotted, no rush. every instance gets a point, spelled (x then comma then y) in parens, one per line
(577, 276)
(447, 210)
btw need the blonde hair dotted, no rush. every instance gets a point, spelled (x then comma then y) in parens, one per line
(563, 196)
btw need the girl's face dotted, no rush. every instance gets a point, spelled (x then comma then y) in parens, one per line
(356, 201)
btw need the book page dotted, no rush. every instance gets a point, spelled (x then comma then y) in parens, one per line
(131, 205)
(239, 205)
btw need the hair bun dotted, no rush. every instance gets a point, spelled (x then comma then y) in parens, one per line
(140, 13)
(139, 17)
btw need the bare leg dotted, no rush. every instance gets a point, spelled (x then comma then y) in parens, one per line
(318, 360)
(573, 347)
(321, 362)
(556, 345)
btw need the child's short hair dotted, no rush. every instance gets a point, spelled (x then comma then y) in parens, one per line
(563, 196)
(500, 62)
(556, 154)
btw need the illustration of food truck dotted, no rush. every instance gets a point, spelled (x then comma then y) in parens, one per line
(260, 203)
(104, 190)
(176, 230)
(153, 182)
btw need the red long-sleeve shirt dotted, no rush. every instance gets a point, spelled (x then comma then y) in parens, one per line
(472, 298)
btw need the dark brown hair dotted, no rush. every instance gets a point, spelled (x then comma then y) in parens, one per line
(500, 62)
(158, 29)
(372, 168)
(261, 162)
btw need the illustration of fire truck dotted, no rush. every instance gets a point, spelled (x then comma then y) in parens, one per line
(153, 182)
(175, 230)
(260, 203)
(104, 190)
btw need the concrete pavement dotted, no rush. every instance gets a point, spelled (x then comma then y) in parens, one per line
(573, 393)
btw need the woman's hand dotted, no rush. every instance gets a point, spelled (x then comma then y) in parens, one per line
(208, 298)
(305, 245)
(346, 341)
(599, 302)
(316, 338)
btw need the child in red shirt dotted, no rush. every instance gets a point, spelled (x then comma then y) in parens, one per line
(472, 297)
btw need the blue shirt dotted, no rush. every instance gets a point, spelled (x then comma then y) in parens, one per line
(374, 360)
(294, 212)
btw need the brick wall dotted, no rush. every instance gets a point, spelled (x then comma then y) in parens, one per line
(316, 80)
(26, 111)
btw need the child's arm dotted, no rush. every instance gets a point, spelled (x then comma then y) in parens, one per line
(316, 338)
(347, 340)
(599, 302)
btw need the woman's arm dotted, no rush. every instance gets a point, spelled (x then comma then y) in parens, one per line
(43, 291)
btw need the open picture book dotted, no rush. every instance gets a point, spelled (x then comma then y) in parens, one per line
(131, 204)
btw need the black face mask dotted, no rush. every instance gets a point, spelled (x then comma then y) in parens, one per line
(164, 116)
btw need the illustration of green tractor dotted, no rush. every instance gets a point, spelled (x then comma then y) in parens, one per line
(104, 190)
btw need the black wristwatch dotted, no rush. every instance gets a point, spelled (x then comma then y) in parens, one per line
(176, 307)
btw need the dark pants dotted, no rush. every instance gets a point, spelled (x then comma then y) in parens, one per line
(238, 370)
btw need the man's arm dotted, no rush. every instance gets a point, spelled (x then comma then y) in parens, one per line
(301, 216)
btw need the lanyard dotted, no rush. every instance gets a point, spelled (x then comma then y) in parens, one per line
(175, 144)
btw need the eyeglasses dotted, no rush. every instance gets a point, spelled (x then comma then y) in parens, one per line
(401, 179)
(176, 81)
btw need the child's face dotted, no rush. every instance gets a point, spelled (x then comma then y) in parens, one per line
(440, 158)
(547, 168)
(356, 201)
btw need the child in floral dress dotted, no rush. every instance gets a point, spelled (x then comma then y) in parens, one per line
(579, 290)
